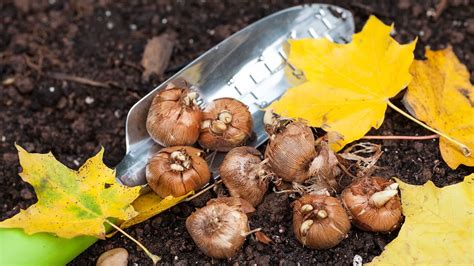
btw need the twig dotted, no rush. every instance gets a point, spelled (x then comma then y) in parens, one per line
(443, 4)
(81, 80)
(152, 256)
(203, 190)
(253, 231)
(434, 136)
(134, 66)
(32, 65)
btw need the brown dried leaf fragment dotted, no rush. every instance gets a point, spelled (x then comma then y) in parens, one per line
(263, 238)
(157, 54)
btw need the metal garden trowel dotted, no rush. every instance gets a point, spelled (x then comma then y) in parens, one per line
(250, 66)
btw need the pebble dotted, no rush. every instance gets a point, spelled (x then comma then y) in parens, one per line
(357, 260)
(26, 194)
(113, 257)
(89, 100)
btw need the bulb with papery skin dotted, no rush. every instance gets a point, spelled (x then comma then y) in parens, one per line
(226, 124)
(374, 204)
(174, 118)
(219, 229)
(320, 221)
(176, 171)
(245, 175)
(291, 151)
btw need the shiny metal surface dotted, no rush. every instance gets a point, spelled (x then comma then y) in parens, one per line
(250, 66)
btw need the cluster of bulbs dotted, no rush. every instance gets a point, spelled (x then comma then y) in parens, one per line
(320, 221)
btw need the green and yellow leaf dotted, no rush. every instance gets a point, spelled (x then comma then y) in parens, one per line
(149, 205)
(71, 203)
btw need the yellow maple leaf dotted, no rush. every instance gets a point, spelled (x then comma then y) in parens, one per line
(442, 96)
(438, 228)
(149, 205)
(348, 85)
(71, 203)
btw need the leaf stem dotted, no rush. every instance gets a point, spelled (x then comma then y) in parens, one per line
(253, 231)
(152, 256)
(465, 150)
(434, 136)
(203, 190)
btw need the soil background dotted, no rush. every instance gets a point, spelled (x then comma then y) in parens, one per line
(42, 41)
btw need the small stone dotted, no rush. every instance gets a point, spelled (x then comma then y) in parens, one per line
(357, 260)
(113, 257)
(117, 114)
(62, 103)
(89, 100)
(26, 194)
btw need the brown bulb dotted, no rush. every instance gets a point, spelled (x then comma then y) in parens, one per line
(244, 174)
(174, 117)
(219, 230)
(319, 221)
(291, 151)
(176, 171)
(226, 123)
(373, 204)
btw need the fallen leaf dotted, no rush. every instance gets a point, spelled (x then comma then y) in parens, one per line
(71, 203)
(442, 96)
(262, 238)
(149, 205)
(438, 228)
(348, 85)
(157, 55)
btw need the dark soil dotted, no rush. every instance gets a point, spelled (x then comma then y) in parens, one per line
(104, 40)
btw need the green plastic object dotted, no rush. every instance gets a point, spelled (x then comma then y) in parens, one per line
(18, 248)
